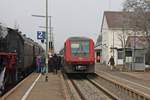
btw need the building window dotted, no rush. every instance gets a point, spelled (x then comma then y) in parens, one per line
(139, 59)
(128, 53)
(120, 54)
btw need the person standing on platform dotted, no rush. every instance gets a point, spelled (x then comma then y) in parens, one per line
(38, 64)
(42, 63)
(55, 62)
(50, 63)
(111, 62)
(59, 62)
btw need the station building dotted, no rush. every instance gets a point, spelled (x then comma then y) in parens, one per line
(114, 35)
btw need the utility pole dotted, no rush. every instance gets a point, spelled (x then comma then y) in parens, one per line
(113, 44)
(109, 4)
(50, 33)
(134, 50)
(46, 78)
(51, 42)
(52, 39)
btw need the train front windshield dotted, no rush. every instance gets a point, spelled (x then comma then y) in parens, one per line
(80, 48)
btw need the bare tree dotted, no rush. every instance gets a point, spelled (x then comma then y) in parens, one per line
(125, 32)
(139, 18)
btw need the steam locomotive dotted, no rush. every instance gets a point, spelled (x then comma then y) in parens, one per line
(17, 56)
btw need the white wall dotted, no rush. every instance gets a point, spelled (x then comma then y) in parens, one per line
(105, 42)
(108, 35)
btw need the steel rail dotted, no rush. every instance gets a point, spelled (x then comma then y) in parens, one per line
(101, 88)
(130, 91)
(78, 90)
(70, 82)
(82, 95)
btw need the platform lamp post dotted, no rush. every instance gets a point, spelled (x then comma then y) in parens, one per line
(46, 78)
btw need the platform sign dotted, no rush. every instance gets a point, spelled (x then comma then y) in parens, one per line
(41, 35)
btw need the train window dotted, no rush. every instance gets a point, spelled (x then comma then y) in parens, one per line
(74, 45)
(80, 48)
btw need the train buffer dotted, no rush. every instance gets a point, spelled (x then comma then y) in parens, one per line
(36, 88)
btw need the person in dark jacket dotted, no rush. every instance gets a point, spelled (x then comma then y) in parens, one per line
(50, 64)
(111, 62)
(59, 63)
(38, 64)
(55, 62)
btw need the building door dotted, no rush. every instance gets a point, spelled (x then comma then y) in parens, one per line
(98, 56)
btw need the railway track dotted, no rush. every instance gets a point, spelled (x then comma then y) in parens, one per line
(72, 93)
(86, 90)
(118, 90)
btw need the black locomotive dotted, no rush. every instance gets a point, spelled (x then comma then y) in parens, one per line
(17, 56)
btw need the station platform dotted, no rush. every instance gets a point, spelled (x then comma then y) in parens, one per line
(47, 90)
(140, 75)
(141, 78)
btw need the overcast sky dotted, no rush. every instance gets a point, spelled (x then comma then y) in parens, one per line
(69, 17)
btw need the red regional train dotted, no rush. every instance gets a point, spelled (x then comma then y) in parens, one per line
(79, 55)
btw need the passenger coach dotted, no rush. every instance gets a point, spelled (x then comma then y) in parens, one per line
(79, 55)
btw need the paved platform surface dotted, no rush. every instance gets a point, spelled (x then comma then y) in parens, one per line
(142, 78)
(137, 80)
(21, 89)
(140, 75)
(51, 90)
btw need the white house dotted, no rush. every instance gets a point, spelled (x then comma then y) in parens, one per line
(112, 32)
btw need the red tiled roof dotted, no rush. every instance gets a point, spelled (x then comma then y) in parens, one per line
(119, 19)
